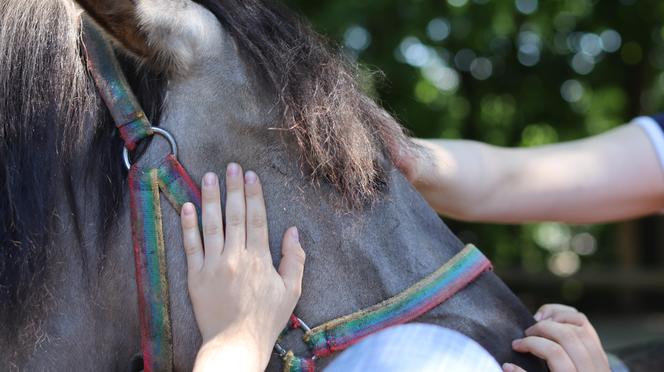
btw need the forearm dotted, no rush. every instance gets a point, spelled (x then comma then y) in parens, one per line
(609, 177)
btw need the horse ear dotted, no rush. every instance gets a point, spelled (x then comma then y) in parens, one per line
(120, 19)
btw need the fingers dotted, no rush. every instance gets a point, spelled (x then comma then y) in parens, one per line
(548, 310)
(567, 315)
(213, 230)
(569, 337)
(291, 267)
(580, 324)
(192, 239)
(509, 367)
(257, 234)
(235, 209)
(555, 356)
(576, 319)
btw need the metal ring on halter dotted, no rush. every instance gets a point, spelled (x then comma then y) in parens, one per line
(281, 352)
(161, 132)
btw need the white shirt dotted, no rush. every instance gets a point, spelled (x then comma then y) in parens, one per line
(655, 131)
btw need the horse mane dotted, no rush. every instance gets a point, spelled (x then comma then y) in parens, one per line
(340, 132)
(58, 145)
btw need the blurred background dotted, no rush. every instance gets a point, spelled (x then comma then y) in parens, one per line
(526, 73)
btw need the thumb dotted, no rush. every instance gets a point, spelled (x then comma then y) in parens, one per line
(291, 267)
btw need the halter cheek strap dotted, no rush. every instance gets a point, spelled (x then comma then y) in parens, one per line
(145, 185)
(150, 255)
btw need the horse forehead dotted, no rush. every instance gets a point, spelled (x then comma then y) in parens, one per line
(214, 85)
(220, 89)
(183, 34)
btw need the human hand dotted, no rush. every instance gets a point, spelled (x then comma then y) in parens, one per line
(408, 158)
(240, 301)
(444, 172)
(565, 339)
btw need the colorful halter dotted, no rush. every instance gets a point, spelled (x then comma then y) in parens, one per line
(171, 178)
(339, 334)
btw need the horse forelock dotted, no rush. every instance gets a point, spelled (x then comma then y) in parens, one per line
(341, 134)
(57, 144)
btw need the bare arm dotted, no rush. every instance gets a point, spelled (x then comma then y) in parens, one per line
(609, 177)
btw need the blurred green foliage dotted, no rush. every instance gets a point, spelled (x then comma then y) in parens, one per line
(510, 73)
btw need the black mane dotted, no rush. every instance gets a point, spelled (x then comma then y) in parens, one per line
(57, 143)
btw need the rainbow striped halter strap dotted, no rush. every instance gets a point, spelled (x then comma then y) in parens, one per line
(170, 178)
(145, 184)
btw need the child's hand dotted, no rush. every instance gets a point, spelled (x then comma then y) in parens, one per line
(240, 301)
(565, 339)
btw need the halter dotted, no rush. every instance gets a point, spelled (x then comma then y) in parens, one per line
(171, 179)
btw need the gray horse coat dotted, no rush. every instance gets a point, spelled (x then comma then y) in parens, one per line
(326, 168)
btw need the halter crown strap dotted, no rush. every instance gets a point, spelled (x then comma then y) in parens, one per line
(113, 86)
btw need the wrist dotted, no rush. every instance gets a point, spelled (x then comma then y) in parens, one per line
(232, 352)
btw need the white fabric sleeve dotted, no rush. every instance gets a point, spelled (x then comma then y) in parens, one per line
(416, 347)
(655, 133)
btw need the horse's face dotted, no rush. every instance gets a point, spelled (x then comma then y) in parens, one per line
(209, 95)
(263, 91)
(264, 69)
(264, 82)
(221, 104)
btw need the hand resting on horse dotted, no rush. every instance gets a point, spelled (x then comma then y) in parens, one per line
(240, 301)
(565, 339)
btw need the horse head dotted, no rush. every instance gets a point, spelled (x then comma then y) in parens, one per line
(237, 80)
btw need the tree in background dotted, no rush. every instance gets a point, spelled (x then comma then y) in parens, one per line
(520, 73)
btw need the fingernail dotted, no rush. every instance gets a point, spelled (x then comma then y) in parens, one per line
(233, 169)
(250, 178)
(295, 234)
(508, 367)
(538, 316)
(188, 209)
(516, 343)
(210, 179)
